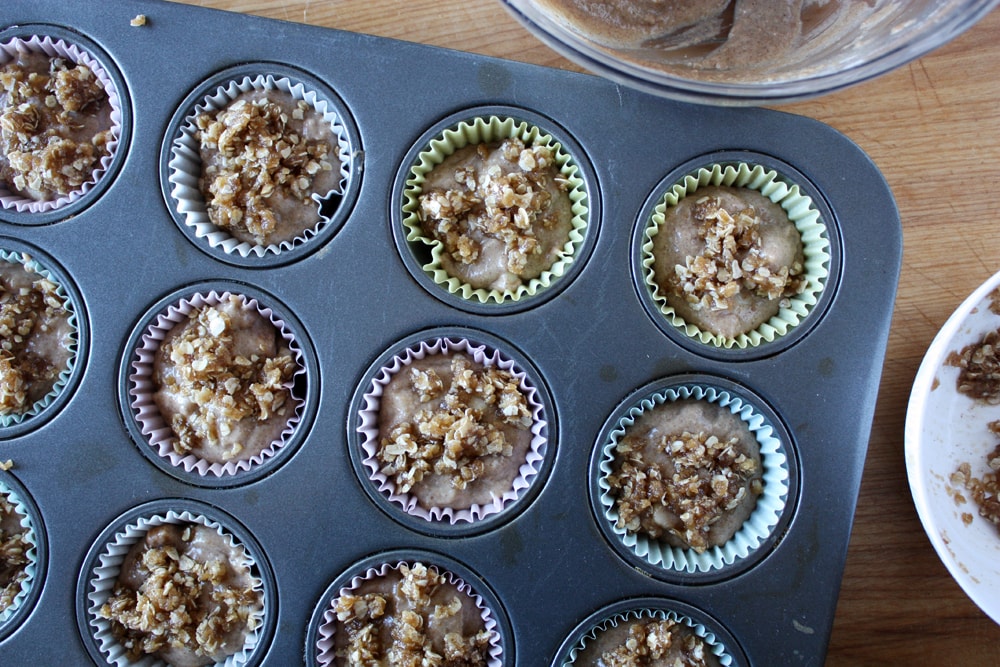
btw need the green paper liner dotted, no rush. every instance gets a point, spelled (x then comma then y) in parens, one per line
(801, 212)
(486, 130)
(758, 526)
(29, 263)
(712, 645)
(31, 541)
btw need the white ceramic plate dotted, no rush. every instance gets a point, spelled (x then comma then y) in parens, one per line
(944, 429)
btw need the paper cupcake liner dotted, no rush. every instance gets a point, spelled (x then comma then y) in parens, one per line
(24, 259)
(107, 567)
(59, 48)
(486, 130)
(32, 555)
(160, 437)
(185, 165)
(325, 647)
(758, 526)
(802, 213)
(712, 643)
(368, 430)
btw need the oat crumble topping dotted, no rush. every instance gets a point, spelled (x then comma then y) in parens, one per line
(47, 104)
(979, 364)
(655, 640)
(183, 602)
(25, 315)
(227, 387)
(732, 261)
(396, 630)
(262, 157)
(985, 490)
(705, 478)
(13, 554)
(508, 205)
(457, 428)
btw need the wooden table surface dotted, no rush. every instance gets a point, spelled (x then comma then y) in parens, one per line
(933, 128)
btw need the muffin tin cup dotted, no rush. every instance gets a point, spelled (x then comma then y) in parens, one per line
(16, 252)
(320, 645)
(806, 209)
(483, 125)
(363, 436)
(719, 642)
(759, 532)
(102, 567)
(30, 587)
(138, 388)
(55, 41)
(181, 164)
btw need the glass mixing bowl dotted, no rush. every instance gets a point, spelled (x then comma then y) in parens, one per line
(745, 51)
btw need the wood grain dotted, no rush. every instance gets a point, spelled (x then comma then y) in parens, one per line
(933, 128)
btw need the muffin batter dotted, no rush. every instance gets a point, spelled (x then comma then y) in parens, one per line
(264, 157)
(647, 643)
(55, 125)
(501, 211)
(13, 552)
(185, 595)
(726, 258)
(35, 337)
(222, 381)
(454, 433)
(407, 617)
(687, 473)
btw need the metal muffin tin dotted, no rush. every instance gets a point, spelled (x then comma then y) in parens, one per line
(354, 294)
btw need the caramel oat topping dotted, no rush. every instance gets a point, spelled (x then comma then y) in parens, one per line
(703, 477)
(13, 552)
(260, 155)
(509, 204)
(732, 261)
(458, 428)
(399, 629)
(27, 315)
(657, 640)
(203, 606)
(54, 125)
(979, 364)
(203, 363)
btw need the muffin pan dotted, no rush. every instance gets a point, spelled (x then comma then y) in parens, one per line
(591, 342)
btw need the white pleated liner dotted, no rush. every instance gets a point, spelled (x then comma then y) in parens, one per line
(185, 165)
(32, 265)
(758, 526)
(158, 433)
(712, 643)
(105, 575)
(369, 431)
(325, 647)
(59, 48)
(31, 540)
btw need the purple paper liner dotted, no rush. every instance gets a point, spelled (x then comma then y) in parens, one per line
(160, 437)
